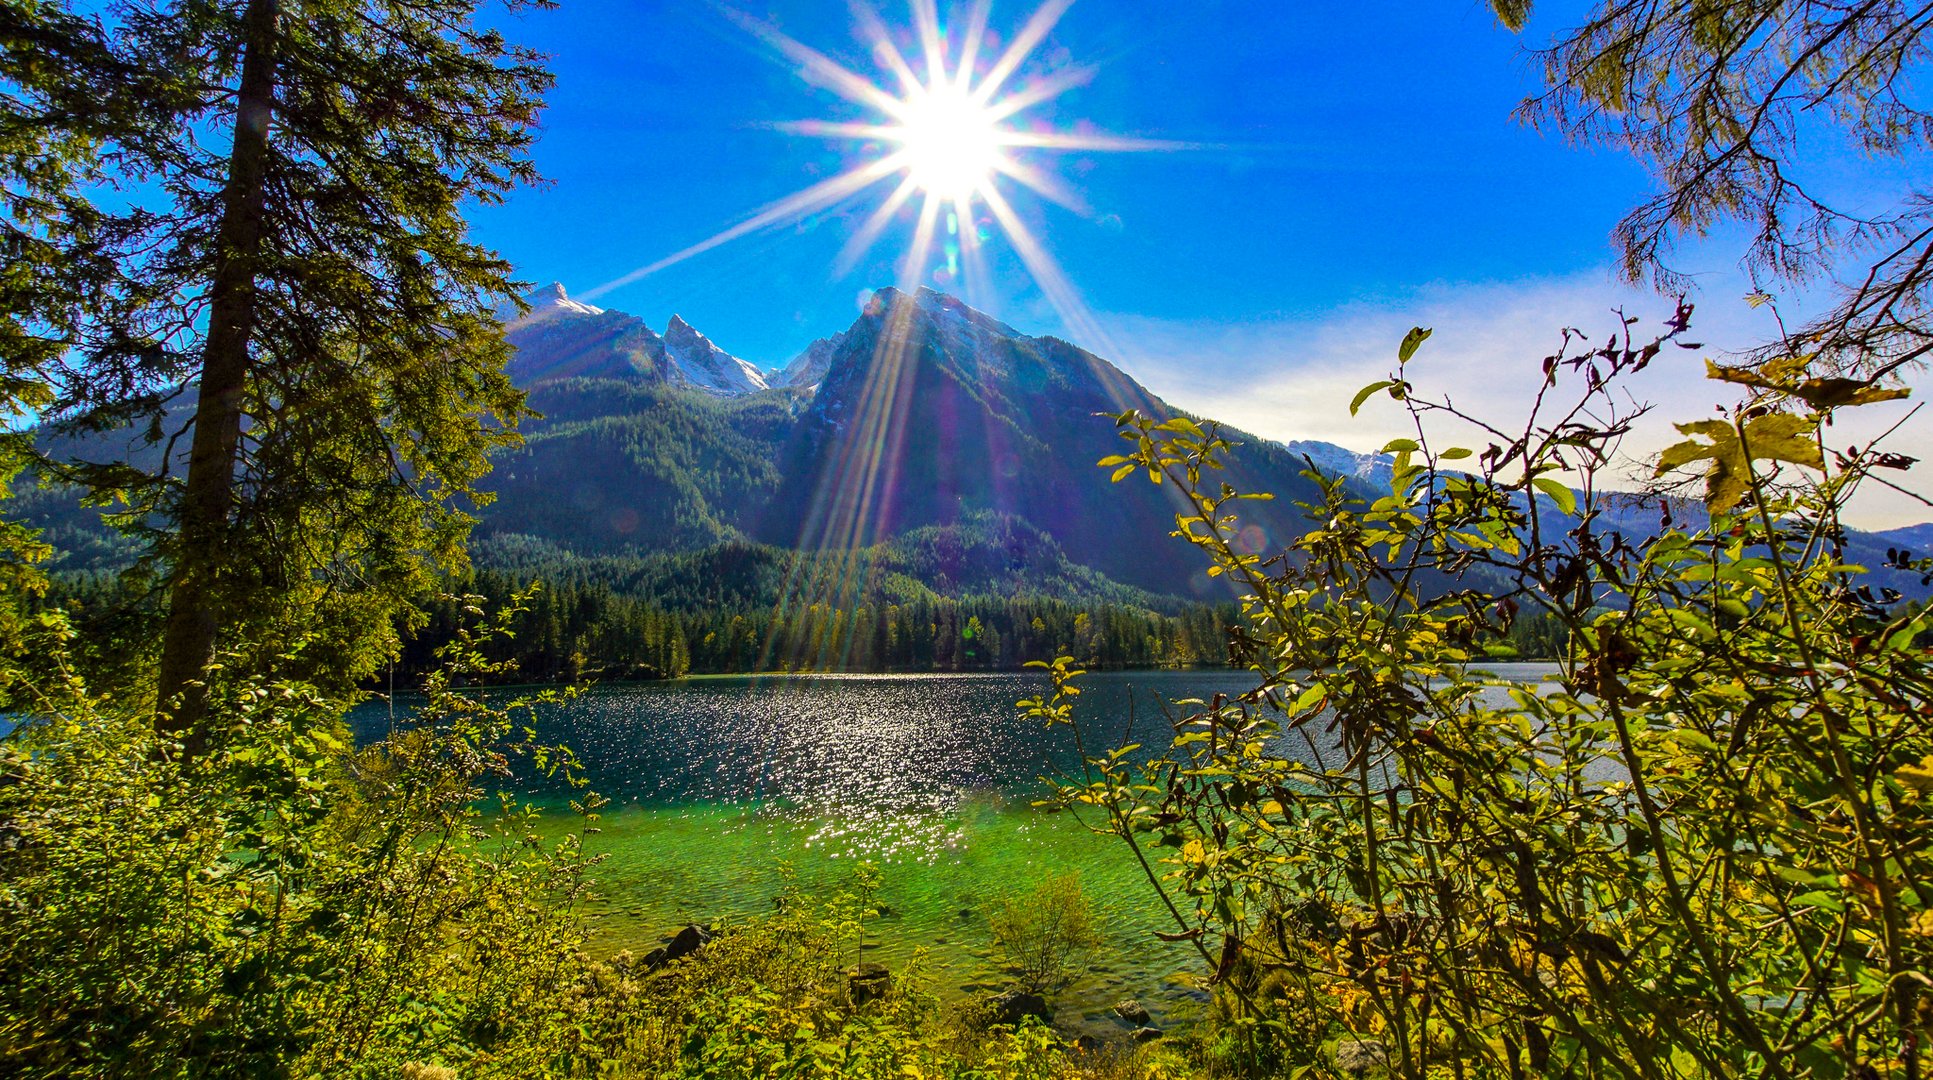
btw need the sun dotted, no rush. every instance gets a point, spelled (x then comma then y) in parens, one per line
(952, 143)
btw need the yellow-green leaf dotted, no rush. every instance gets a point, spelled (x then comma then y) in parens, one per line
(1411, 342)
(1363, 395)
(1564, 497)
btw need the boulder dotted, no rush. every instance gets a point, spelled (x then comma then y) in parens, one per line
(1146, 1034)
(1014, 1006)
(868, 982)
(1133, 1012)
(1361, 1057)
(682, 944)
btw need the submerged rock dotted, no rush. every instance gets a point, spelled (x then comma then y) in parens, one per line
(1014, 1006)
(868, 982)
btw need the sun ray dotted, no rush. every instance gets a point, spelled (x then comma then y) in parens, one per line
(868, 232)
(972, 255)
(976, 34)
(945, 136)
(884, 51)
(1053, 281)
(836, 129)
(911, 270)
(1040, 91)
(926, 17)
(1068, 140)
(1045, 184)
(830, 73)
(1021, 47)
(817, 197)
(945, 133)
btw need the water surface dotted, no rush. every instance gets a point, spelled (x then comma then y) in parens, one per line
(725, 789)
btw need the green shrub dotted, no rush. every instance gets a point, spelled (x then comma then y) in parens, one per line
(1046, 933)
(1698, 849)
(279, 904)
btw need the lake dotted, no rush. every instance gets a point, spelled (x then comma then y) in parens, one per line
(717, 785)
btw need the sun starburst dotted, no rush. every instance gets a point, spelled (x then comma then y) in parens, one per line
(951, 133)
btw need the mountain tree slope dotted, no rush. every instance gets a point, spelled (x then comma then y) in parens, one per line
(930, 412)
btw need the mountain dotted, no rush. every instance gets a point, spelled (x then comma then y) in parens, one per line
(808, 368)
(929, 412)
(1917, 539)
(706, 366)
(923, 414)
(561, 338)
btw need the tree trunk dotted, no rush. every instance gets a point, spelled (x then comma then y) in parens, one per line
(194, 620)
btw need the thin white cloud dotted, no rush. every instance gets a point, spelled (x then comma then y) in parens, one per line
(1293, 378)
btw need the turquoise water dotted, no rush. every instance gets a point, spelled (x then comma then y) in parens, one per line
(717, 783)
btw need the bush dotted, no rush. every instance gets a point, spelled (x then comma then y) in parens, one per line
(1700, 848)
(278, 904)
(282, 904)
(1046, 933)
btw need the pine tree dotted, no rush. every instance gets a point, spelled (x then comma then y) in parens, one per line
(62, 96)
(303, 286)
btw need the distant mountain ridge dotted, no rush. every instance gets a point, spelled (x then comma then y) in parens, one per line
(561, 338)
(923, 413)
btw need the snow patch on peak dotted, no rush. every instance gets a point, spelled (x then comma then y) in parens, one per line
(549, 302)
(705, 365)
(1331, 458)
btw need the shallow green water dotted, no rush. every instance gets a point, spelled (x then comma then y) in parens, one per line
(668, 866)
(718, 784)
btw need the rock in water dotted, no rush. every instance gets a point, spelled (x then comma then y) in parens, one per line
(682, 944)
(1360, 1057)
(1014, 1006)
(868, 982)
(1133, 1012)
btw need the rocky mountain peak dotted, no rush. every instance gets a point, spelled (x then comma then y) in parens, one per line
(680, 330)
(706, 366)
(548, 302)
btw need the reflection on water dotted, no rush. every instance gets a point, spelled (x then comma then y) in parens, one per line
(882, 763)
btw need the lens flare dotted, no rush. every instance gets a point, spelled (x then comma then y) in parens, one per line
(953, 140)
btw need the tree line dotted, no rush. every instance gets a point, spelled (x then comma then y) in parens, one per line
(572, 632)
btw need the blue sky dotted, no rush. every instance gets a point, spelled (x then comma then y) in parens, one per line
(1356, 150)
(1355, 169)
